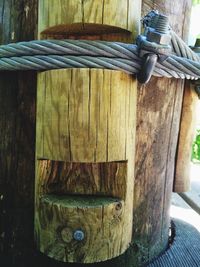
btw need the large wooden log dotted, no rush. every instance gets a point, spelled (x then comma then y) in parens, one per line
(17, 151)
(88, 117)
(75, 124)
(18, 21)
(158, 117)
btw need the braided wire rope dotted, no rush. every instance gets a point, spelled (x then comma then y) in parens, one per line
(82, 47)
(54, 54)
(181, 49)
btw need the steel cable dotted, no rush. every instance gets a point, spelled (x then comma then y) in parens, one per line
(55, 54)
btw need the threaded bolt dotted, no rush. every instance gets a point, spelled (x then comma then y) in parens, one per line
(153, 21)
(162, 24)
(79, 235)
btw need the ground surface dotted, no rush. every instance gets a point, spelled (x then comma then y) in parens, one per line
(185, 250)
(193, 196)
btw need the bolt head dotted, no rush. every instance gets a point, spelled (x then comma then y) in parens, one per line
(66, 235)
(159, 38)
(79, 235)
(118, 206)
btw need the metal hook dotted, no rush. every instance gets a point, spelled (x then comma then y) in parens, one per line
(147, 69)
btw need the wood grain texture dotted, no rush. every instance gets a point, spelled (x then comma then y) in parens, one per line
(17, 137)
(100, 219)
(105, 179)
(84, 115)
(18, 22)
(98, 19)
(157, 133)
(186, 136)
(158, 120)
(85, 133)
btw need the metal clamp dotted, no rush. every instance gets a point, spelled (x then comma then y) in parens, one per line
(154, 44)
(148, 65)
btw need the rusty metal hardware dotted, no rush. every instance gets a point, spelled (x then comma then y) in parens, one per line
(148, 65)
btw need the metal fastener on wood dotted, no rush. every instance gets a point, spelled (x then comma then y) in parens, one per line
(148, 65)
(79, 235)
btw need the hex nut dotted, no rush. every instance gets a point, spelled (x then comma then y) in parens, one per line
(159, 38)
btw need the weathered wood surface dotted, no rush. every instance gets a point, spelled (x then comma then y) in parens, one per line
(186, 136)
(107, 228)
(158, 116)
(105, 179)
(16, 223)
(112, 19)
(86, 116)
(83, 115)
(17, 138)
(101, 220)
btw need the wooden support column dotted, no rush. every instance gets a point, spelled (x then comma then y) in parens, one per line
(17, 138)
(186, 136)
(153, 179)
(85, 140)
(158, 121)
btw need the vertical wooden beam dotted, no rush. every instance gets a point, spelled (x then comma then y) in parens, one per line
(17, 105)
(186, 136)
(18, 21)
(86, 119)
(158, 116)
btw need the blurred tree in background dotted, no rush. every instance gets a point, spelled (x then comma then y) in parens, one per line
(196, 147)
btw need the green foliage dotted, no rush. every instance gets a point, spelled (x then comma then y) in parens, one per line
(196, 2)
(196, 147)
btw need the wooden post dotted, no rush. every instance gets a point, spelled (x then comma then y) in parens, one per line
(152, 197)
(17, 141)
(85, 140)
(158, 116)
(186, 136)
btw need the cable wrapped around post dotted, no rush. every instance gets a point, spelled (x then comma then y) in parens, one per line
(181, 62)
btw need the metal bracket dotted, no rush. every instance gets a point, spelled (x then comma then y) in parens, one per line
(150, 53)
(148, 65)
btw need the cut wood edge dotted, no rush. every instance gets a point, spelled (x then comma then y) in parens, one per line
(100, 220)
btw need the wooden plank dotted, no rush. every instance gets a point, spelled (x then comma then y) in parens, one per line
(186, 136)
